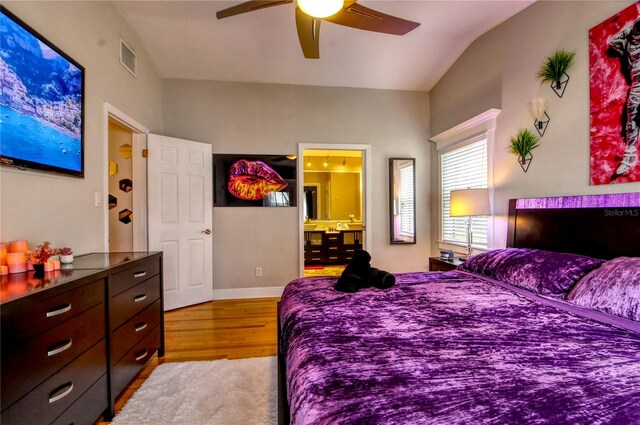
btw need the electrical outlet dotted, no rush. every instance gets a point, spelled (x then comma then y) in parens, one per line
(97, 199)
(258, 271)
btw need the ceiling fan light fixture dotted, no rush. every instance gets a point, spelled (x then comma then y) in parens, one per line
(320, 8)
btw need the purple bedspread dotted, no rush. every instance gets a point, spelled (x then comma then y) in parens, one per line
(451, 348)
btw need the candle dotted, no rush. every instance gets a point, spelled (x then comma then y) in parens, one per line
(48, 266)
(18, 246)
(3, 254)
(56, 264)
(4, 270)
(16, 262)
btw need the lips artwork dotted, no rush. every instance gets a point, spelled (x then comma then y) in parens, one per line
(253, 180)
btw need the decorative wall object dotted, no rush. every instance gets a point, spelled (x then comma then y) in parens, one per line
(554, 69)
(121, 189)
(542, 119)
(521, 145)
(254, 180)
(614, 60)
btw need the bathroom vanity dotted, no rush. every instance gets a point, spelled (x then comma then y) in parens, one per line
(330, 247)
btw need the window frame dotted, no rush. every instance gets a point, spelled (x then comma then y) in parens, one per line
(482, 125)
(460, 145)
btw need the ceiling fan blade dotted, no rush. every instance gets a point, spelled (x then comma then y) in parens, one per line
(308, 34)
(249, 6)
(358, 16)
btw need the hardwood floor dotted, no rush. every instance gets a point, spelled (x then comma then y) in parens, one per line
(230, 329)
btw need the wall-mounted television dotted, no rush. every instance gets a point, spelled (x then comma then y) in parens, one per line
(41, 102)
(254, 180)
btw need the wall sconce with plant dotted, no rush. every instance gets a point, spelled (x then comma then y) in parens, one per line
(542, 119)
(554, 70)
(522, 144)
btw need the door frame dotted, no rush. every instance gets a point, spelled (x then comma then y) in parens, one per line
(366, 192)
(139, 175)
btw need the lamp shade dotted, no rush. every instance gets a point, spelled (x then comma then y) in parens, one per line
(469, 202)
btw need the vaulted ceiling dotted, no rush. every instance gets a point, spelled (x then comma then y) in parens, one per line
(185, 40)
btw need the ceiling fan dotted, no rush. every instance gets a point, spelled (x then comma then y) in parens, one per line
(309, 14)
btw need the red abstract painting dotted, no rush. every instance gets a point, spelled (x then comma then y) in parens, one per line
(614, 58)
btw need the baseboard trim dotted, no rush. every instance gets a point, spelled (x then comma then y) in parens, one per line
(242, 293)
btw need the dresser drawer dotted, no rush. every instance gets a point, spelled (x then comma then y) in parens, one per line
(35, 318)
(332, 240)
(129, 303)
(49, 351)
(88, 407)
(143, 270)
(47, 401)
(124, 371)
(134, 330)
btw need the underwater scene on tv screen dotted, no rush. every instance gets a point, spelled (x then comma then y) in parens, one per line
(40, 101)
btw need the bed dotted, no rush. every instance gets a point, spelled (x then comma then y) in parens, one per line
(486, 345)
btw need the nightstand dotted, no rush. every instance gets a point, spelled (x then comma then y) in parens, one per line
(438, 265)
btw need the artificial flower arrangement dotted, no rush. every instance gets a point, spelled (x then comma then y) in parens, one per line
(41, 254)
(64, 251)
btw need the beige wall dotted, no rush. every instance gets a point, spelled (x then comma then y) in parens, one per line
(498, 71)
(273, 119)
(38, 206)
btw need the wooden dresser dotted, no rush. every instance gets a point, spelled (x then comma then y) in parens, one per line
(54, 356)
(73, 339)
(135, 325)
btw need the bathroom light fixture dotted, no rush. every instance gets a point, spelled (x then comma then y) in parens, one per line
(320, 8)
(326, 163)
(309, 164)
(344, 161)
(542, 118)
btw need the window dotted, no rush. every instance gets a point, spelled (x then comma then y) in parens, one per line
(464, 167)
(406, 199)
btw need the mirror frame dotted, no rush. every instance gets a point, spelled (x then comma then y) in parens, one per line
(392, 240)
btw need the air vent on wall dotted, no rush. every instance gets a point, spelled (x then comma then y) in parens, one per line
(128, 57)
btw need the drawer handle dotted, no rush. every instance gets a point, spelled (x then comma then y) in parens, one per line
(140, 274)
(141, 355)
(61, 346)
(60, 309)
(61, 391)
(141, 326)
(139, 298)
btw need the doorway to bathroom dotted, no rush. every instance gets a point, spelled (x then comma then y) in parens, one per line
(333, 208)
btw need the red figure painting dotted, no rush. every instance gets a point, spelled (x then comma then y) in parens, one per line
(614, 62)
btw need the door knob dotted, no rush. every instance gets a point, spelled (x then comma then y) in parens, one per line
(207, 231)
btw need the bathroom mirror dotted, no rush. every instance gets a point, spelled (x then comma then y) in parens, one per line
(402, 195)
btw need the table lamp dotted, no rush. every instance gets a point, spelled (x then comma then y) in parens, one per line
(469, 203)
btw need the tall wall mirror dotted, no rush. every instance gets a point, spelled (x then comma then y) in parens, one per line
(402, 205)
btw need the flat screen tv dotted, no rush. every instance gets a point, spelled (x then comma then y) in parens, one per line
(41, 102)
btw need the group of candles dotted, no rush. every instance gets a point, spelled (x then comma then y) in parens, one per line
(13, 259)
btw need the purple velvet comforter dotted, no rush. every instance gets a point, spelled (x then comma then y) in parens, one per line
(451, 348)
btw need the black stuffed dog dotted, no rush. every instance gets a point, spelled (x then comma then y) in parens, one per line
(381, 279)
(356, 275)
(359, 274)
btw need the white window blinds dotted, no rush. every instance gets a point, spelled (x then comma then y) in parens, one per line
(406, 200)
(463, 168)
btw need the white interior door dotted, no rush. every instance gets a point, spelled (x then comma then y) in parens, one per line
(180, 207)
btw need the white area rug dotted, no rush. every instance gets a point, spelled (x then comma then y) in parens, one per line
(220, 392)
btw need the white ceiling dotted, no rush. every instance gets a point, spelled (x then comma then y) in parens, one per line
(185, 40)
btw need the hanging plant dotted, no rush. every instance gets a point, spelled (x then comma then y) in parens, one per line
(554, 70)
(522, 145)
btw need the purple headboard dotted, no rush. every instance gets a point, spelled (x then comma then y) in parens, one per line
(600, 226)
